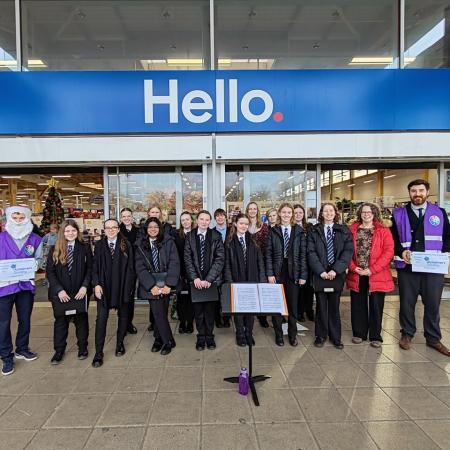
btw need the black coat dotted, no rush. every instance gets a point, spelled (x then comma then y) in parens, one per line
(215, 254)
(235, 269)
(80, 276)
(115, 275)
(132, 234)
(297, 265)
(142, 232)
(168, 262)
(317, 249)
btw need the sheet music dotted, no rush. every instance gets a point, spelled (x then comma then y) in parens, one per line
(271, 298)
(245, 298)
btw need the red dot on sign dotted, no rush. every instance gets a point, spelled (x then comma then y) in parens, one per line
(278, 117)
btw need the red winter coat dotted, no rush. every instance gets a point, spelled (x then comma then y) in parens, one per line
(381, 254)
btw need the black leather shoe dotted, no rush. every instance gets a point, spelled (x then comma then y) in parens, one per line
(151, 327)
(301, 318)
(241, 341)
(82, 354)
(157, 346)
(339, 345)
(200, 346)
(132, 329)
(250, 340)
(120, 349)
(293, 341)
(57, 358)
(310, 315)
(190, 329)
(279, 341)
(263, 322)
(211, 345)
(219, 324)
(181, 329)
(98, 360)
(319, 342)
(172, 343)
(226, 323)
(166, 349)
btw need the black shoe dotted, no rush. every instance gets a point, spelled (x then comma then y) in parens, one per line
(157, 346)
(301, 318)
(189, 329)
(166, 349)
(181, 328)
(279, 341)
(226, 323)
(172, 343)
(241, 341)
(120, 349)
(293, 341)
(151, 327)
(319, 342)
(339, 345)
(82, 354)
(98, 360)
(219, 324)
(199, 346)
(57, 358)
(131, 329)
(250, 340)
(211, 345)
(310, 315)
(263, 322)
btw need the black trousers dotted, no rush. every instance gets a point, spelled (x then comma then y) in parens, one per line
(291, 290)
(151, 317)
(162, 332)
(204, 320)
(367, 311)
(61, 330)
(102, 322)
(429, 286)
(131, 306)
(328, 319)
(184, 309)
(244, 325)
(305, 299)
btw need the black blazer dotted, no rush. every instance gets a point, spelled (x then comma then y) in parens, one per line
(215, 254)
(58, 274)
(235, 269)
(168, 262)
(132, 234)
(317, 249)
(297, 265)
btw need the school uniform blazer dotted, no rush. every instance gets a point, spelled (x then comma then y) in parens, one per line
(297, 266)
(168, 262)
(215, 254)
(80, 276)
(235, 268)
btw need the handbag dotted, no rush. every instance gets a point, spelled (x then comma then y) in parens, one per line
(335, 285)
(70, 308)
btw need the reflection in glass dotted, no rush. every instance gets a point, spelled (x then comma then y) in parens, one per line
(7, 36)
(293, 34)
(192, 191)
(116, 34)
(234, 193)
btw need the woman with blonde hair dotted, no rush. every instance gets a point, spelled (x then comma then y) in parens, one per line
(69, 272)
(272, 217)
(369, 276)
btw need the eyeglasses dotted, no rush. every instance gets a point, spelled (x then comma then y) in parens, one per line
(111, 228)
(366, 212)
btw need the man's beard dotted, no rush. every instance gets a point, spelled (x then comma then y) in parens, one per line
(418, 200)
(19, 230)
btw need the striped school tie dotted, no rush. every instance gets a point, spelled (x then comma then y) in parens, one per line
(286, 242)
(111, 248)
(330, 247)
(155, 258)
(202, 252)
(70, 258)
(244, 248)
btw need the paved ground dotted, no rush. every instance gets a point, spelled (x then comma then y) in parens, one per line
(358, 398)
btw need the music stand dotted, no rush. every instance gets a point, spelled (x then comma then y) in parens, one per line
(252, 379)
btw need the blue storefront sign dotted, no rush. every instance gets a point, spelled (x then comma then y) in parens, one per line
(47, 103)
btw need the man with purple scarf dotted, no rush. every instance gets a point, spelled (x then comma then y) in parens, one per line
(17, 242)
(420, 226)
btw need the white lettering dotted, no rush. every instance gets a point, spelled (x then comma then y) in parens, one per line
(150, 100)
(220, 101)
(187, 106)
(268, 106)
(233, 101)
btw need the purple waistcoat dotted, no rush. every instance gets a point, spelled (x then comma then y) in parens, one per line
(9, 250)
(433, 223)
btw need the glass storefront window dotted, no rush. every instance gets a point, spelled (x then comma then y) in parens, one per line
(234, 191)
(115, 35)
(446, 204)
(427, 36)
(302, 34)
(7, 36)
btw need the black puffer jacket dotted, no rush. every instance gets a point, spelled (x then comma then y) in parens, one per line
(168, 262)
(235, 268)
(317, 249)
(215, 254)
(297, 265)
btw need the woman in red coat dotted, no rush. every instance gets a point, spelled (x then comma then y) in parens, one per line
(369, 276)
